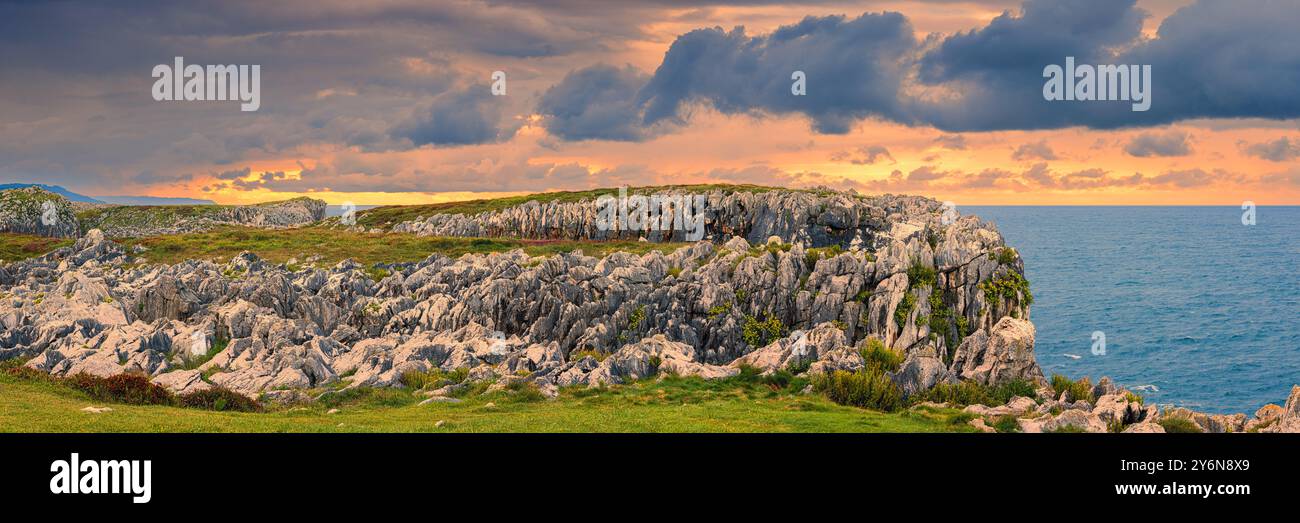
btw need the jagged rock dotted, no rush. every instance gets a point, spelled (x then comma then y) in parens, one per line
(182, 381)
(646, 358)
(1288, 420)
(32, 210)
(166, 297)
(920, 373)
(1117, 408)
(1078, 419)
(1002, 356)
(981, 426)
(824, 347)
(1144, 428)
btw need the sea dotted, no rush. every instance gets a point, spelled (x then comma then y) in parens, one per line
(1195, 308)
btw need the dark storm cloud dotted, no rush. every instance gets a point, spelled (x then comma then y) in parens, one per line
(1172, 143)
(737, 73)
(461, 117)
(1210, 59)
(595, 103)
(853, 68)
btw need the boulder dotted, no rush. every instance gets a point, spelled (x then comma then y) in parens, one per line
(1003, 355)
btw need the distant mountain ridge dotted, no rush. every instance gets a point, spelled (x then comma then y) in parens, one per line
(153, 200)
(71, 196)
(115, 200)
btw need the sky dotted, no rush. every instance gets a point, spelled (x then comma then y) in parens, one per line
(391, 102)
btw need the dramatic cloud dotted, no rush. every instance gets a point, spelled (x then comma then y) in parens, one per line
(951, 141)
(1279, 150)
(737, 73)
(865, 155)
(596, 103)
(1171, 143)
(1210, 59)
(1034, 151)
(468, 116)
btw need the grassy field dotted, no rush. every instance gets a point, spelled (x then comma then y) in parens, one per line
(671, 405)
(334, 245)
(15, 247)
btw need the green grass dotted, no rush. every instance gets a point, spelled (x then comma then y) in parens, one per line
(14, 247)
(334, 245)
(743, 404)
(393, 214)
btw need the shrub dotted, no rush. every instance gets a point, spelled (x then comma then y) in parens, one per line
(904, 309)
(1179, 424)
(132, 389)
(760, 333)
(971, 393)
(220, 399)
(718, 310)
(525, 391)
(785, 379)
(1078, 390)
(578, 355)
(1068, 429)
(880, 357)
(919, 275)
(799, 365)
(1011, 286)
(1006, 423)
(1005, 255)
(867, 388)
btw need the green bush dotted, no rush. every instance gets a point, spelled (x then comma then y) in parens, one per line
(1005, 255)
(1078, 390)
(785, 379)
(1179, 424)
(1007, 423)
(219, 398)
(878, 356)
(919, 275)
(132, 389)
(760, 333)
(1011, 286)
(868, 388)
(972, 393)
(904, 309)
(433, 378)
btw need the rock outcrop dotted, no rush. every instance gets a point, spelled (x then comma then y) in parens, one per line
(943, 291)
(32, 210)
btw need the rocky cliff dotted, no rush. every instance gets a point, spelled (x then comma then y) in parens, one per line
(943, 290)
(813, 218)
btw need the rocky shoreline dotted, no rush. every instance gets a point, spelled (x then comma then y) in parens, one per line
(784, 280)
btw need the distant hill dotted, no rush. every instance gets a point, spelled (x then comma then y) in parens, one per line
(153, 200)
(71, 196)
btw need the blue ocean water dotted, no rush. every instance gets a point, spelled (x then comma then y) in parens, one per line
(1190, 300)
